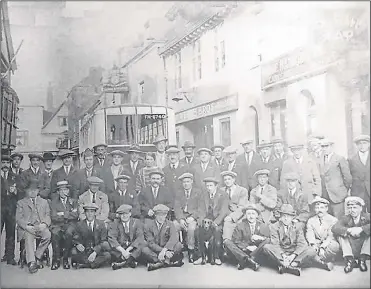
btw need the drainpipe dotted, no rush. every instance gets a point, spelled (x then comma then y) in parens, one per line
(165, 78)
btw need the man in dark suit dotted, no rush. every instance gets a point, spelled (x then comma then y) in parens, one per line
(189, 151)
(279, 154)
(110, 173)
(163, 247)
(102, 160)
(122, 196)
(189, 211)
(154, 194)
(65, 173)
(126, 238)
(133, 167)
(270, 163)
(232, 165)
(248, 239)
(359, 166)
(205, 168)
(353, 232)
(64, 216)
(90, 170)
(91, 248)
(251, 160)
(218, 158)
(16, 161)
(216, 209)
(48, 159)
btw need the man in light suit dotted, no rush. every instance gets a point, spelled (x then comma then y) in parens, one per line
(189, 151)
(264, 196)
(134, 165)
(110, 173)
(336, 178)
(306, 168)
(319, 234)
(160, 143)
(238, 199)
(33, 220)
(359, 166)
(93, 195)
(205, 168)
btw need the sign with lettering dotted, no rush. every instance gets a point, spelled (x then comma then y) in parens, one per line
(221, 105)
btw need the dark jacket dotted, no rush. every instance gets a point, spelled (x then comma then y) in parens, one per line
(147, 200)
(298, 202)
(166, 237)
(195, 205)
(107, 162)
(82, 180)
(346, 222)
(70, 213)
(242, 233)
(360, 177)
(107, 177)
(30, 180)
(60, 175)
(274, 166)
(217, 208)
(133, 175)
(130, 198)
(172, 175)
(249, 170)
(118, 237)
(212, 170)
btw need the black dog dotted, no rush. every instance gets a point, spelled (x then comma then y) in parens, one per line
(208, 243)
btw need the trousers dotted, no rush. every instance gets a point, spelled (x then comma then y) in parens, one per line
(230, 223)
(355, 247)
(135, 253)
(191, 228)
(82, 258)
(237, 253)
(9, 222)
(29, 238)
(152, 256)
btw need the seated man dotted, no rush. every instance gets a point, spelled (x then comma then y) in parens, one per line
(248, 239)
(238, 198)
(288, 248)
(91, 249)
(33, 220)
(64, 217)
(163, 248)
(353, 231)
(319, 235)
(189, 204)
(125, 236)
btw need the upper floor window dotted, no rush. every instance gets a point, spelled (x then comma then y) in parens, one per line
(197, 60)
(141, 88)
(219, 50)
(62, 121)
(178, 70)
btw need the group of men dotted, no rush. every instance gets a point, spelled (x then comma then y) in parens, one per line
(289, 210)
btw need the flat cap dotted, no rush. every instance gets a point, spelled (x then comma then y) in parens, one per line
(90, 206)
(100, 145)
(16, 154)
(186, 175)
(230, 150)
(287, 209)
(217, 146)
(296, 146)
(246, 141)
(134, 149)
(157, 171)
(122, 177)
(228, 173)
(251, 207)
(264, 144)
(362, 137)
(262, 172)
(277, 140)
(35, 156)
(159, 138)
(124, 209)
(319, 199)
(88, 153)
(172, 150)
(160, 208)
(204, 150)
(117, 153)
(62, 184)
(188, 144)
(65, 153)
(5, 158)
(94, 180)
(354, 200)
(211, 180)
(291, 176)
(48, 156)
(326, 142)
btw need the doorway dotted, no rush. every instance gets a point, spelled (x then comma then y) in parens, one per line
(203, 132)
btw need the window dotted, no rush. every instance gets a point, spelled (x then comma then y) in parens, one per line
(22, 138)
(307, 106)
(222, 53)
(178, 70)
(62, 121)
(278, 119)
(219, 50)
(225, 131)
(141, 88)
(197, 61)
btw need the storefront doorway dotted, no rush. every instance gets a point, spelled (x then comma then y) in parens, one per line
(202, 130)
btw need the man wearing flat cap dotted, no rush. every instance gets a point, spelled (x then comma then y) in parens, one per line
(122, 195)
(232, 165)
(66, 172)
(48, 159)
(16, 161)
(279, 150)
(134, 166)
(163, 247)
(189, 151)
(336, 178)
(248, 239)
(353, 233)
(126, 238)
(269, 162)
(189, 211)
(319, 234)
(160, 143)
(155, 194)
(110, 173)
(359, 166)
(306, 168)
(288, 249)
(218, 158)
(264, 196)
(102, 159)
(91, 248)
(94, 195)
(205, 168)
(314, 148)
(238, 198)
(64, 217)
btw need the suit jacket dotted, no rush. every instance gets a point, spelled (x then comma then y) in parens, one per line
(45, 193)
(17, 178)
(240, 197)
(344, 223)
(9, 200)
(96, 241)
(293, 241)
(298, 202)
(161, 160)
(60, 175)
(70, 213)
(82, 179)
(310, 179)
(217, 208)
(242, 234)
(336, 178)
(147, 200)
(250, 170)
(25, 209)
(109, 181)
(107, 162)
(221, 163)
(166, 237)
(360, 176)
(274, 166)
(267, 203)
(194, 207)
(212, 170)
(240, 170)
(195, 160)
(130, 198)
(101, 201)
(172, 175)
(118, 237)
(30, 180)
(320, 233)
(133, 175)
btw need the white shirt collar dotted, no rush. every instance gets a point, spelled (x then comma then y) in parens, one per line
(357, 220)
(212, 194)
(123, 193)
(176, 165)
(35, 170)
(363, 155)
(92, 222)
(299, 159)
(292, 192)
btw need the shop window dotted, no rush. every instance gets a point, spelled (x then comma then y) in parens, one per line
(308, 109)
(278, 119)
(22, 138)
(225, 131)
(197, 62)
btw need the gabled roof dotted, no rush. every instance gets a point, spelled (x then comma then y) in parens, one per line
(54, 114)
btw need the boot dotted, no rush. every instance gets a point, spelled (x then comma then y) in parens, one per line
(66, 264)
(32, 267)
(293, 270)
(155, 266)
(362, 264)
(11, 262)
(190, 255)
(116, 266)
(349, 264)
(323, 265)
(55, 264)
(3, 259)
(39, 263)
(253, 264)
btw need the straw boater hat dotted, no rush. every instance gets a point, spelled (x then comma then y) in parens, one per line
(48, 156)
(159, 138)
(124, 209)
(188, 144)
(35, 156)
(362, 137)
(16, 154)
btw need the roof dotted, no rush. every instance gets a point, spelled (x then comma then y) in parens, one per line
(46, 115)
(54, 114)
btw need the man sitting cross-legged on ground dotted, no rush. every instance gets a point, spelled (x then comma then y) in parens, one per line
(90, 240)
(353, 231)
(248, 239)
(125, 236)
(319, 234)
(163, 248)
(288, 248)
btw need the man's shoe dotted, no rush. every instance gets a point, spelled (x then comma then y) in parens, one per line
(349, 265)
(66, 265)
(253, 264)
(293, 270)
(55, 265)
(241, 266)
(363, 265)
(116, 266)
(11, 262)
(177, 264)
(198, 261)
(330, 266)
(155, 266)
(190, 256)
(3, 259)
(132, 263)
(32, 267)
(39, 264)
(281, 269)
(82, 266)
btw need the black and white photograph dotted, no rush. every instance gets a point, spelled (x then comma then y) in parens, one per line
(185, 144)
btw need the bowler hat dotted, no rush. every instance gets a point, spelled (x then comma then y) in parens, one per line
(188, 144)
(90, 206)
(287, 209)
(48, 156)
(159, 138)
(16, 154)
(122, 177)
(186, 175)
(160, 208)
(354, 200)
(228, 173)
(35, 156)
(124, 209)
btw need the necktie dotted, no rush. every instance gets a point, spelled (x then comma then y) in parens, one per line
(91, 226)
(155, 193)
(203, 167)
(101, 162)
(320, 221)
(252, 228)
(187, 194)
(93, 198)
(212, 196)
(126, 228)
(64, 203)
(67, 170)
(6, 175)
(88, 173)
(173, 167)
(229, 192)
